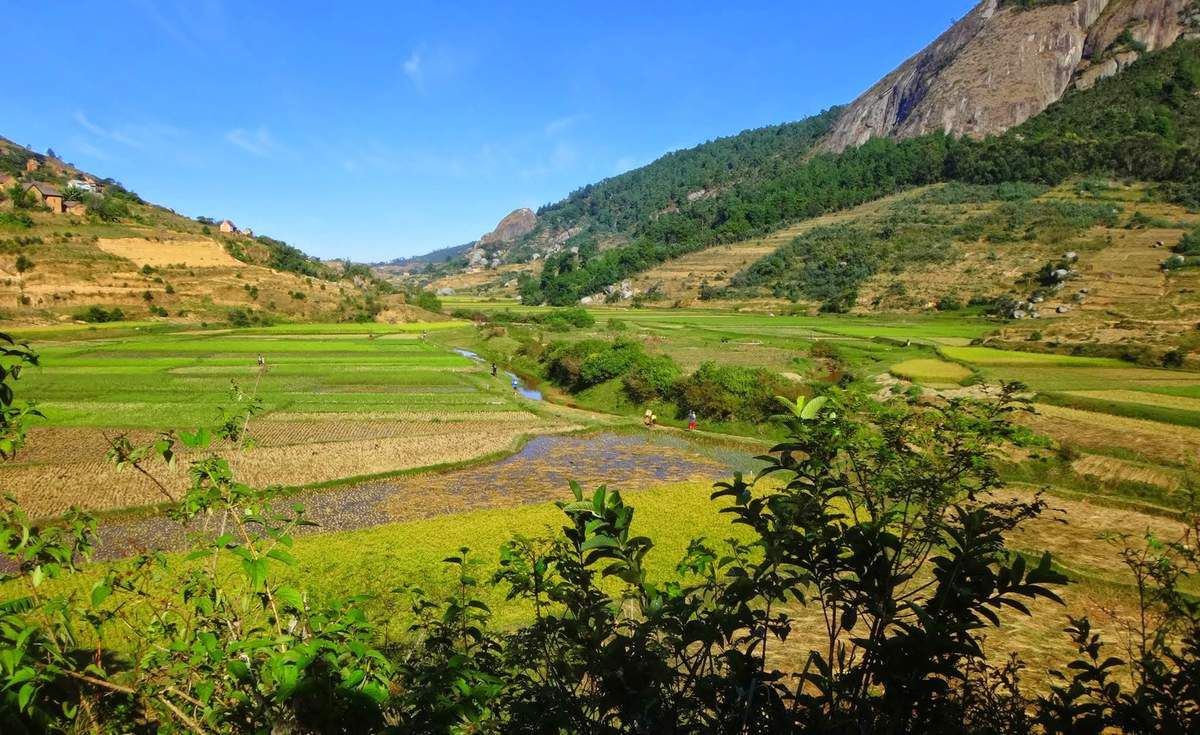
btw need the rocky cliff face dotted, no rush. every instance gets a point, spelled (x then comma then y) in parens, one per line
(514, 225)
(1002, 64)
(486, 253)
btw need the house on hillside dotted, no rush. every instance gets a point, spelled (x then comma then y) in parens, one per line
(32, 165)
(75, 207)
(227, 226)
(82, 185)
(46, 195)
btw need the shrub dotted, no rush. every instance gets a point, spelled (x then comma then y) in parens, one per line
(566, 318)
(99, 315)
(428, 301)
(650, 378)
(949, 302)
(239, 318)
(107, 207)
(1189, 244)
(16, 219)
(20, 197)
(732, 393)
(583, 364)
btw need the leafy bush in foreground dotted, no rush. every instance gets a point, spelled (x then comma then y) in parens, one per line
(882, 519)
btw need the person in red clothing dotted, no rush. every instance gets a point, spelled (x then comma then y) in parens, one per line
(691, 420)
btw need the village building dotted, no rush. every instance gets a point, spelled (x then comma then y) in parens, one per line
(82, 185)
(46, 195)
(75, 207)
(32, 165)
(227, 226)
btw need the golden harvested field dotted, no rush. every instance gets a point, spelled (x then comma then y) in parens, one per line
(1175, 445)
(50, 487)
(1114, 469)
(1135, 396)
(198, 253)
(931, 371)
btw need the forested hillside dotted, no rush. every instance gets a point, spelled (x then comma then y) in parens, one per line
(1143, 123)
(627, 201)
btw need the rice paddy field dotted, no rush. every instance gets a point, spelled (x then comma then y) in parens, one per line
(406, 450)
(338, 402)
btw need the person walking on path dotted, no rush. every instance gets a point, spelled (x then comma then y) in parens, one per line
(493, 369)
(691, 420)
(649, 419)
(515, 384)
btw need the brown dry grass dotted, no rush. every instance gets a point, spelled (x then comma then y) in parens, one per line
(49, 482)
(1175, 445)
(198, 253)
(1119, 470)
(1135, 396)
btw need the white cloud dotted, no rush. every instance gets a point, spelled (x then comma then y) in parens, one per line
(414, 70)
(116, 136)
(558, 125)
(139, 136)
(85, 148)
(258, 142)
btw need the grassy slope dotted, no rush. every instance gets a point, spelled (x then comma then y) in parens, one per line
(82, 261)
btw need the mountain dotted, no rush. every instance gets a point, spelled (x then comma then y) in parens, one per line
(1006, 61)
(947, 109)
(398, 266)
(76, 245)
(610, 212)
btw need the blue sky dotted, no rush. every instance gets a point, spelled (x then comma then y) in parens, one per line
(392, 128)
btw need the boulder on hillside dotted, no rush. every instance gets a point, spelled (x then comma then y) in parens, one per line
(515, 224)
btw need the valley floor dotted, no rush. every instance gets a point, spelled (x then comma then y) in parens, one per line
(405, 451)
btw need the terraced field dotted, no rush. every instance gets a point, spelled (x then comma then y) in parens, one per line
(336, 404)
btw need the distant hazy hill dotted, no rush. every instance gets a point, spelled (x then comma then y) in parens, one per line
(612, 210)
(416, 261)
(117, 255)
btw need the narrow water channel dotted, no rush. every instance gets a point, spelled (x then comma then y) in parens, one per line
(514, 379)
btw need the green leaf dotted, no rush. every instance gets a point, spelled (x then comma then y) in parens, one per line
(100, 592)
(291, 597)
(256, 572)
(282, 556)
(810, 410)
(24, 696)
(596, 542)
